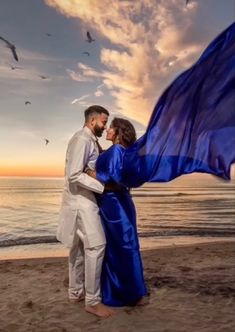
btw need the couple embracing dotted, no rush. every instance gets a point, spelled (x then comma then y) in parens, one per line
(98, 219)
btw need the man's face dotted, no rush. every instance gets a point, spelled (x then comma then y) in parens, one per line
(100, 122)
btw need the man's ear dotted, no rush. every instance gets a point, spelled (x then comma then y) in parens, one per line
(92, 121)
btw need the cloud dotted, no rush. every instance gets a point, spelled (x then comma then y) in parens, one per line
(79, 99)
(27, 69)
(19, 73)
(24, 55)
(98, 93)
(29, 134)
(100, 86)
(77, 76)
(74, 101)
(150, 46)
(28, 55)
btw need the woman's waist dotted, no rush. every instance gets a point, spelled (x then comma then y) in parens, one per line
(115, 188)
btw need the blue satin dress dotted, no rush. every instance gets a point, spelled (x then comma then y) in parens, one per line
(122, 281)
(192, 127)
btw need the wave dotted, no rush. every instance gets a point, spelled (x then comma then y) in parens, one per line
(197, 232)
(162, 233)
(28, 240)
(179, 194)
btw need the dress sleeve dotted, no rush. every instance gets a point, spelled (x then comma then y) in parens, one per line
(109, 165)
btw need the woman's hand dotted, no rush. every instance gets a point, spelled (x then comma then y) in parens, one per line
(91, 173)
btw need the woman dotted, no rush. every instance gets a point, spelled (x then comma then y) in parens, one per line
(122, 281)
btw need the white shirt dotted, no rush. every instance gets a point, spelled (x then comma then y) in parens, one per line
(82, 152)
(78, 196)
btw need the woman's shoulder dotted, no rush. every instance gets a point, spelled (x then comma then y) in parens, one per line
(113, 154)
(115, 149)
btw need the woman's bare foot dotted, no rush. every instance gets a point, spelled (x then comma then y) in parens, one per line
(100, 310)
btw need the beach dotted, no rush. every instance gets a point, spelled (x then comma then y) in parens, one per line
(192, 288)
(187, 237)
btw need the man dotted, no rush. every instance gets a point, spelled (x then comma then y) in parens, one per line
(80, 226)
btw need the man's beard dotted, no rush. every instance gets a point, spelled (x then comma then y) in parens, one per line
(98, 131)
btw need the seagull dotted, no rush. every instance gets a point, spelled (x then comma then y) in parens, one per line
(27, 102)
(43, 77)
(12, 48)
(89, 38)
(87, 53)
(46, 140)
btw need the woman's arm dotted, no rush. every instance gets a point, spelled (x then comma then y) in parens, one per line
(107, 186)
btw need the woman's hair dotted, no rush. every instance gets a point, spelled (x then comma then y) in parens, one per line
(125, 131)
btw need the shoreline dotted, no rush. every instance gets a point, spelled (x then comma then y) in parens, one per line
(192, 288)
(50, 250)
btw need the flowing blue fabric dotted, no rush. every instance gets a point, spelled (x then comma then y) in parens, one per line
(122, 281)
(192, 127)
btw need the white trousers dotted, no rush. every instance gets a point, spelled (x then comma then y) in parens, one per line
(85, 265)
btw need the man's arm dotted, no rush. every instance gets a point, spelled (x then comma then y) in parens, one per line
(77, 159)
(108, 186)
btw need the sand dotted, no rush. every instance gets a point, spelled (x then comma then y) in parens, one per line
(192, 288)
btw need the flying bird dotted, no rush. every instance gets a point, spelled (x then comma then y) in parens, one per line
(11, 46)
(89, 38)
(48, 34)
(27, 102)
(87, 53)
(46, 140)
(43, 77)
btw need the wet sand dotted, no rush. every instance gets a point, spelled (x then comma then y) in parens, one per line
(192, 288)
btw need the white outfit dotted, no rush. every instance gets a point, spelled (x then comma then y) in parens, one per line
(80, 225)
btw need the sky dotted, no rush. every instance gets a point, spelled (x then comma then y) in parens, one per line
(140, 47)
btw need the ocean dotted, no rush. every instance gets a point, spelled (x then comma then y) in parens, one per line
(187, 210)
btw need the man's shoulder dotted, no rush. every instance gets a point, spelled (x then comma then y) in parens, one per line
(81, 135)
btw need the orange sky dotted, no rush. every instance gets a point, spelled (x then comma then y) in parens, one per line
(139, 48)
(32, 170)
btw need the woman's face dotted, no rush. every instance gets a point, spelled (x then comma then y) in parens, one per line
(111, 134)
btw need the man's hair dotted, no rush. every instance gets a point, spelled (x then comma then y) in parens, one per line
(94, 110)
(125, 130)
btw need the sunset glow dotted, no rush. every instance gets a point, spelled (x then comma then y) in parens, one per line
(140, 47)
(32, 170)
